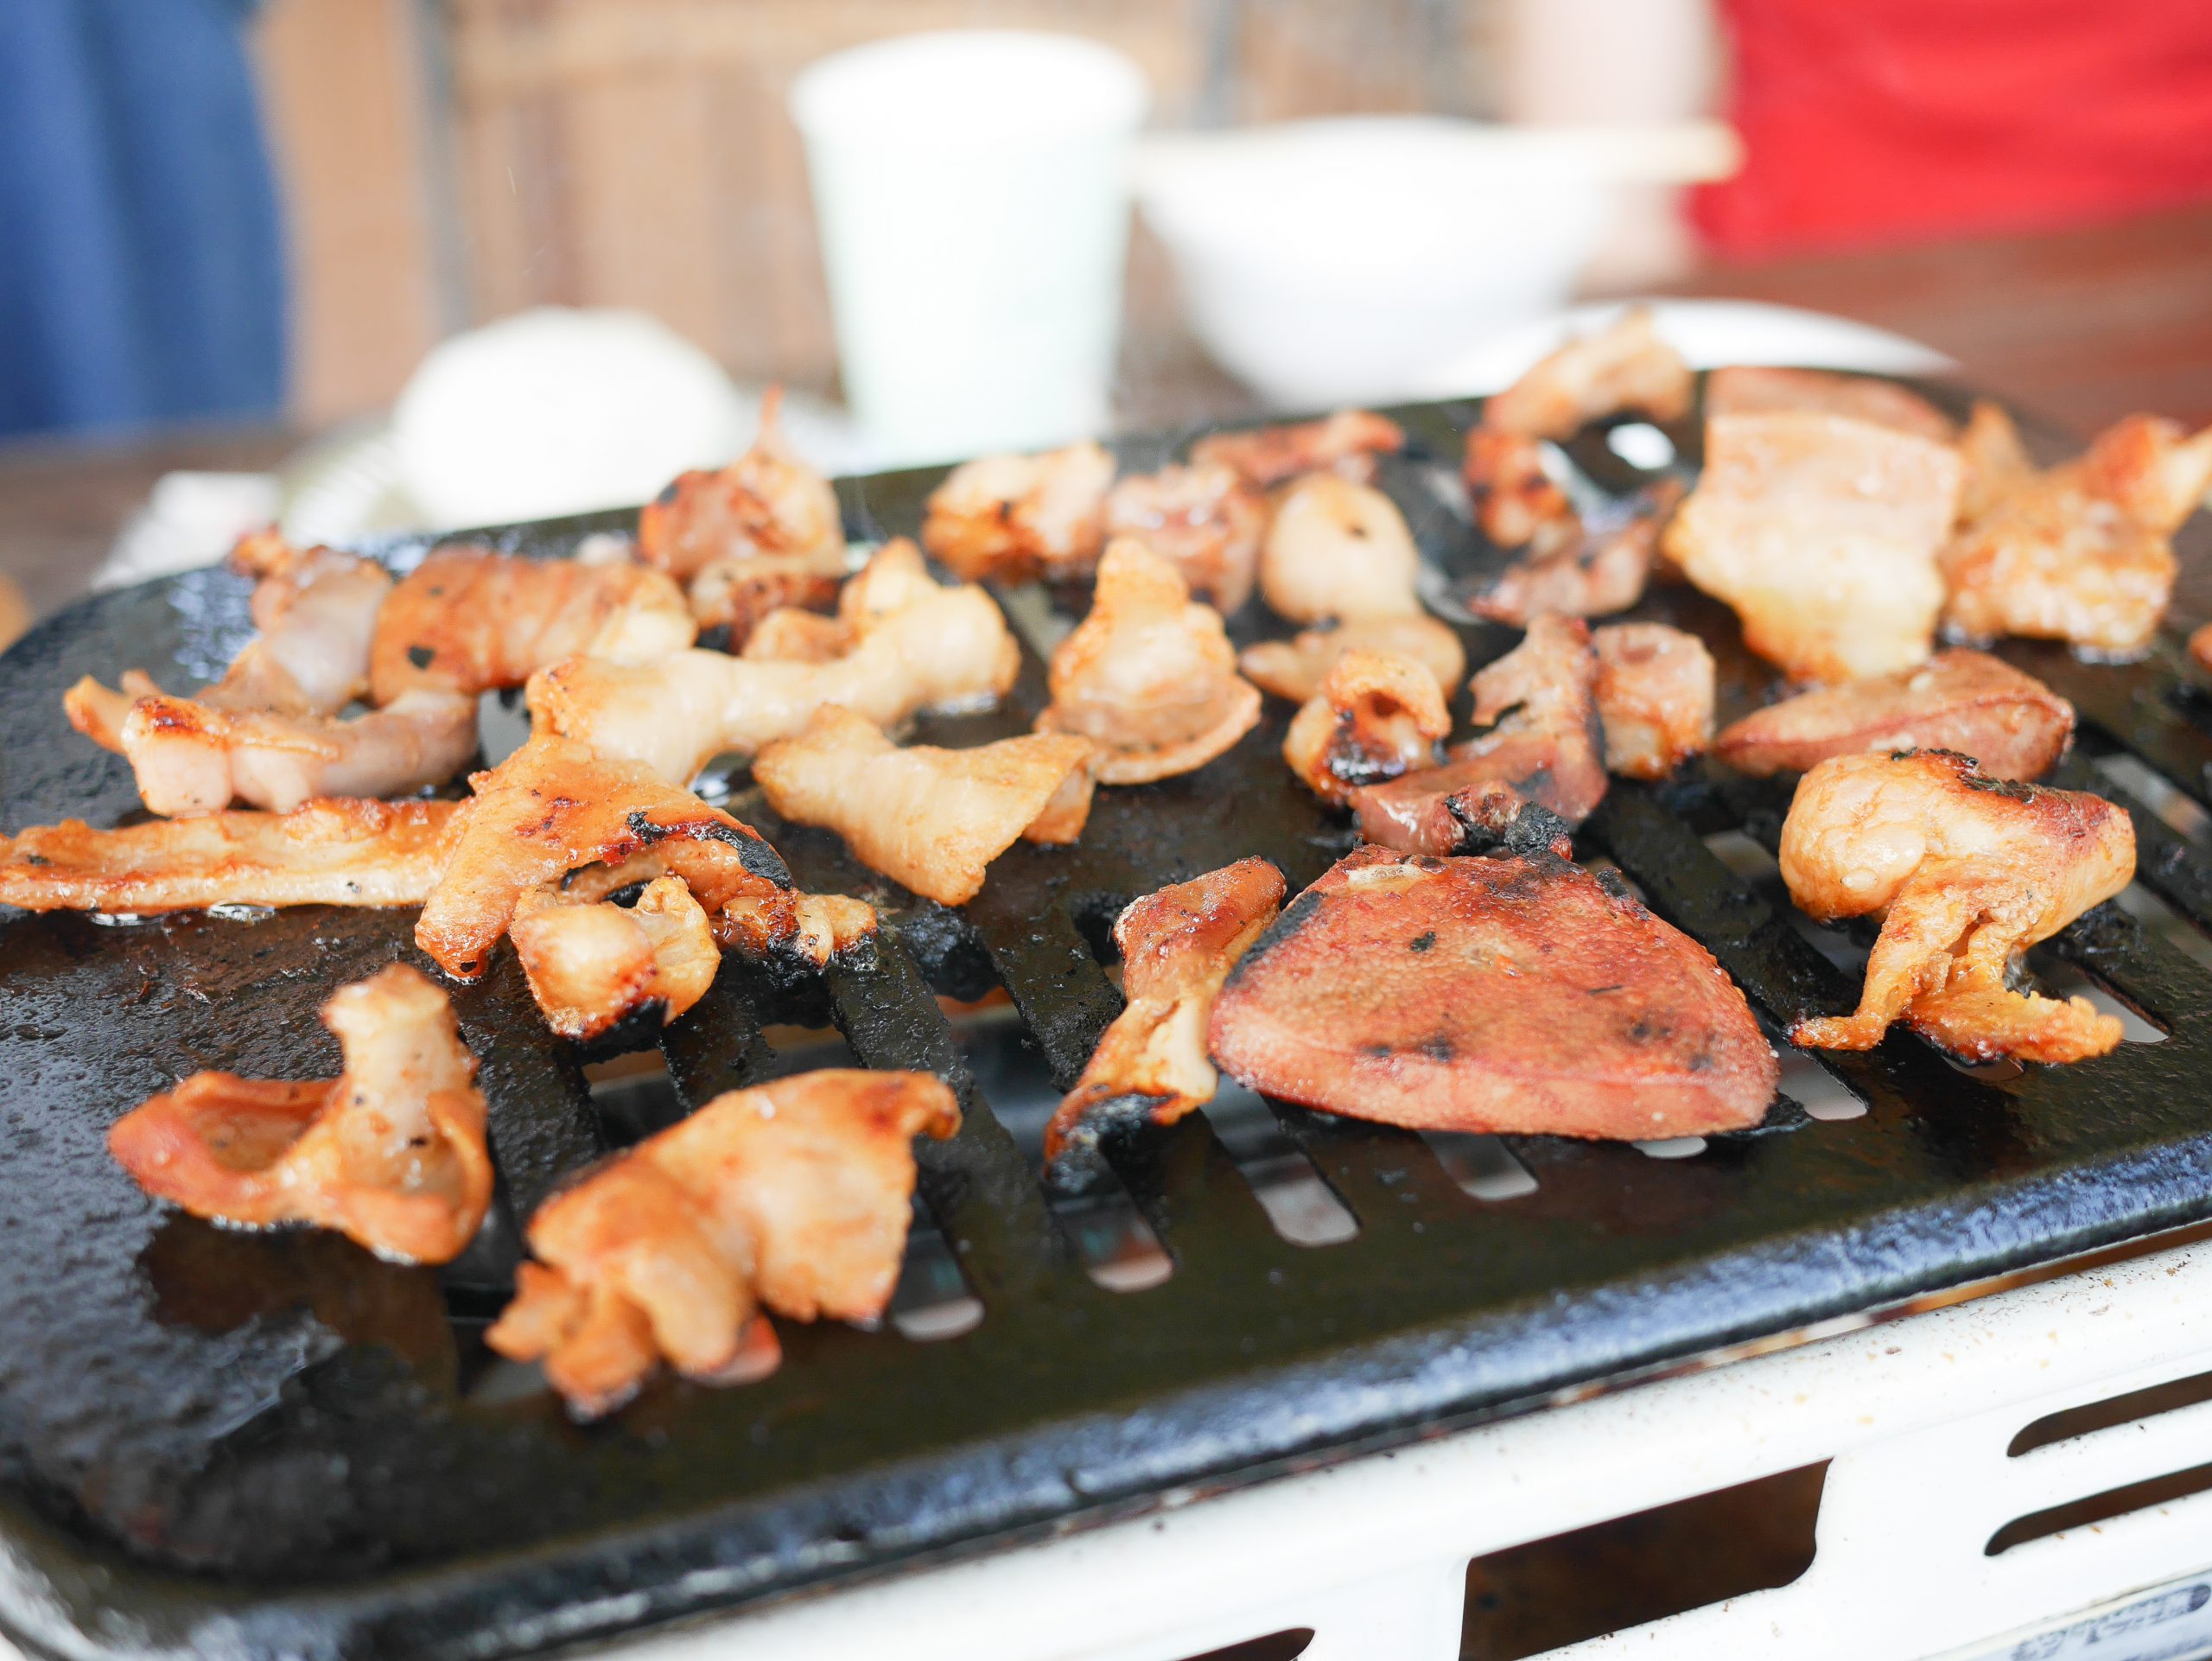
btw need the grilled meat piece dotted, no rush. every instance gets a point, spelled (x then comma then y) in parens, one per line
(1967, 872)
(1822, 531)
(788, 635)
(1624, 365)
(326, 853)
(1655, 693)
(766, 502)
(815, 926)
(930, 818)
(1337, 550)
(1547, 745)
(1515, 995)
(1345, 444)
(2082, 553)
(1376, 716)
(916, 645)
(589, 963)
(555, 807)
(1295, 668)
(2013, 724)
(468, 620)
(1009, 518)
(191, 759)
(1594, 570)
(795, 1195)
(1514, 498)
(1177, 945)
(1756, 389)
(738, 596)
(391, 1153)
(1204, 520)
(1996, 461)
(1148, 677)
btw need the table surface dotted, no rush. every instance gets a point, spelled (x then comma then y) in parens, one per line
(2081, 326)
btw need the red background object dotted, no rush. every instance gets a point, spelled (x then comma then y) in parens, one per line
(1874, 121)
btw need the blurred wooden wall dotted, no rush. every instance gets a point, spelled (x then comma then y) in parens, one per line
(637, 152)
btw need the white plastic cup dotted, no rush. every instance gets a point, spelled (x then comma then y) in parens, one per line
(972, 190)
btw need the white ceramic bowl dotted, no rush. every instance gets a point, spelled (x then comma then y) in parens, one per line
(1334, 261)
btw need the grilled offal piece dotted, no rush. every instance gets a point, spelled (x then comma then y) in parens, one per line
(916, 645)
(2011, 723)
(334, 853)
(1547, 745)
(2084, 552)
(1345, 443)
(590, 964)
(554, 807)
(1590, 569)
(1148, 677)
(931, 818)
(767, 503)
(1295, 668)
(1337, 550)
(1376, 716)
(1624, 365)
(1517, 995)
(1011, 518)
(468, 620)
(391, 1153)
(1204, 520)
(1822, 531)
(1177, 946)
(795, 1195)
(1655, 693)
(1967, 873)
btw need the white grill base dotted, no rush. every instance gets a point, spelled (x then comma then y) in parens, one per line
(1915, 1414)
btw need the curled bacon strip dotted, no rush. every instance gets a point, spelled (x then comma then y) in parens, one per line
(1177, 947)
(1624, 365)
(1295, 668)
(1013, 517)
(1204, 520)
(795, 1195)
(1376, 716)
(1655, 693)
(589, 965)
(391, 1153)
(1345, 443)
(766, 503)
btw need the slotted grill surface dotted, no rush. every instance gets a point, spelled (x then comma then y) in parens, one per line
(280, 1444)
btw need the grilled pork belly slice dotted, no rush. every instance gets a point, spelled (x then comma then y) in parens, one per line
(1203, 519)
(2010, 722)
(1345, 443)
(931, 818)
(917, 645)
(739, 596)
(1177, 946)
(1295, 668)
(468, 620)
(1337, 550)
(1591, 569)
(590, 964)
(1010, 518)
(1148, 677)
(326, 853)
(2084, 552)
(789, 635)
(795, 1195)
(1547, 745)
(1515, 995)
(555, 807)
(1376, 716)
(1996, 462)
(1514, 498)
(815, 926)
(766, 502)
(391, 1153)
(1966, 872)
(190, 758)
(316, 609)
(1624, 365)
(1655, 693)
(1823, 532)
(1757, 389)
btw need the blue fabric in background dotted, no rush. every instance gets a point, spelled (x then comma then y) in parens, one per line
(142, 275)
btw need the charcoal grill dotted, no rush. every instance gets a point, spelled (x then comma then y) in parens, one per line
(276, 1445)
